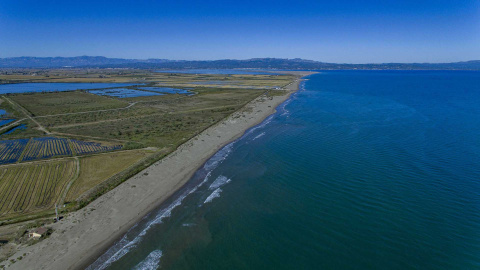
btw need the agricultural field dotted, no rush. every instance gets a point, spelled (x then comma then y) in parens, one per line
(33, 187)
(41, 148)
(96, 169)
(39, 104)
(83, 148)
(71, 75)
(220, 80)
(23, 150)
(11, 150)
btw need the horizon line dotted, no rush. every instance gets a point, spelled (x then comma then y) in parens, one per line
(233, 59)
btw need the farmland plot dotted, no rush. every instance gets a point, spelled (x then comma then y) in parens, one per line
(47, 147)
(83, 148)
(33, 187)
(10, 150)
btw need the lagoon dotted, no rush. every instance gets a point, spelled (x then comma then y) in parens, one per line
(52, 87)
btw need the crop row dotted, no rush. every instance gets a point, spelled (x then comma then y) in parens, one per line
(10, 150)
(40, 148)
(33, 187)
(47, 147)
(82, 148)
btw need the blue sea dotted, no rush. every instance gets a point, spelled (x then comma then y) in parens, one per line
(358, 170)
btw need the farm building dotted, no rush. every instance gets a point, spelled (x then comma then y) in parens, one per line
(38, 232)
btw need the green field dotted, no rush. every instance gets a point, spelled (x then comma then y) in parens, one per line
(96, 169)
(165, 123)
(220, 80)
(65, 102)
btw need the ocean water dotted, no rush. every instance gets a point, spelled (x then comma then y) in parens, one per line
(358, 170)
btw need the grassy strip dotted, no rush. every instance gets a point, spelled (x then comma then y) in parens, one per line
(121, 177)
(117, 179)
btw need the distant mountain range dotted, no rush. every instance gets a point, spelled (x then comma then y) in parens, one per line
(259, 63)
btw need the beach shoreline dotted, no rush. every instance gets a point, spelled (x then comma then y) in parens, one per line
(86, 234)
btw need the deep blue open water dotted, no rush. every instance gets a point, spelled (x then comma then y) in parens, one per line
(358, 170)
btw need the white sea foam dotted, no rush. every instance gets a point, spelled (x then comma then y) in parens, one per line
(123, 246)
(151, 262)
(220, 181)
(214, 195)
(259, 135)
(284, 107)
(262, 125)
(220, 156)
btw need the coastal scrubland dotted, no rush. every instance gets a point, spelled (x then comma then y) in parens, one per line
(41, 104)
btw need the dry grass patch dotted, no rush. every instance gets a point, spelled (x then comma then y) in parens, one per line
(96, 169)
(33, 187)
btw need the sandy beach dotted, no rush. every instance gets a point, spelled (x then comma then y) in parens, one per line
(83, 235)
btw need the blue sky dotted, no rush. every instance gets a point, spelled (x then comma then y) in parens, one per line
(330, 31)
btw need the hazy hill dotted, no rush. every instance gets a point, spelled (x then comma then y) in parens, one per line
(262, 63)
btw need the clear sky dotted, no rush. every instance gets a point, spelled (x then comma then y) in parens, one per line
(330, 31)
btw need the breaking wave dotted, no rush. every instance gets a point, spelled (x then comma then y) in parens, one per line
(220, 181)
(262, 125)
(259, 135)
(151, 262)
(214, 195)
(122, 247)
(220, 156)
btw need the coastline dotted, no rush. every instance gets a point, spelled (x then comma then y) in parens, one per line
(85, 234)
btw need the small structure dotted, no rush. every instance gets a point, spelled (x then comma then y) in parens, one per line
(38, 232)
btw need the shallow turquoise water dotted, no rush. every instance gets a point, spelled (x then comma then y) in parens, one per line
(359, 170)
